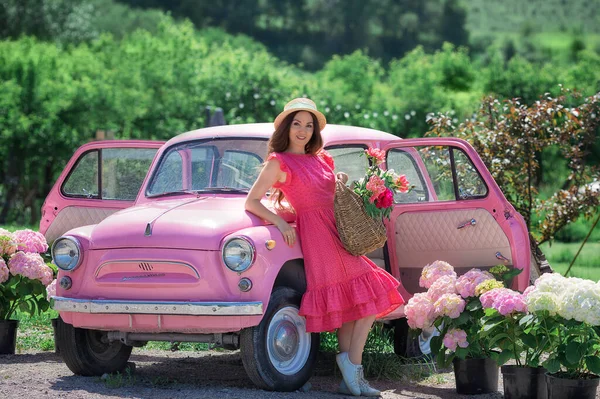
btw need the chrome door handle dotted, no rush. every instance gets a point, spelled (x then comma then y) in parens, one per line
(501, 257)
(471, 222)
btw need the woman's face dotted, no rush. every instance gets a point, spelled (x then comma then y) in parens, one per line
(301, 130)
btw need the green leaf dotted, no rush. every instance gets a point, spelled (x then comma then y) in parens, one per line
(529, 340)
(593, 364)
(463, 319)
(436, 344)
(504, 357)
(573, 352)
(473, 305)
(526, 319)
(552, 365)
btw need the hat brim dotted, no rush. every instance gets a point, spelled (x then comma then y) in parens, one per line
(320, 117)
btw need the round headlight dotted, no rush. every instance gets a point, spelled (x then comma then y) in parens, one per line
(238, 254)
(66, 253)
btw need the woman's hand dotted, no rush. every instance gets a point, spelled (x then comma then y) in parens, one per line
(342, 176)
(288, 232)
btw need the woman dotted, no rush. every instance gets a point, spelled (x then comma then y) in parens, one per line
(344, 292)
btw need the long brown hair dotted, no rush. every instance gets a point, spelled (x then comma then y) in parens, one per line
(280, 141)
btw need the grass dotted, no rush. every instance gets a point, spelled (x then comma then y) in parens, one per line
(587, 264)
(35, 332)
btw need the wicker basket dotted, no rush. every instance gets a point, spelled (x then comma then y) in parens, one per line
(359, 232)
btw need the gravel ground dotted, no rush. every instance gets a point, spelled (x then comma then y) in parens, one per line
(211, 374)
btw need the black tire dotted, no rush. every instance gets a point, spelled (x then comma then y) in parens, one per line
(88, 352)
(405, 344)
(257, 350)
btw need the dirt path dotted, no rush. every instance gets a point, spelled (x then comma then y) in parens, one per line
(211, 374)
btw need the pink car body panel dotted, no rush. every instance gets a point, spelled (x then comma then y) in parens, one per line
(188, 232)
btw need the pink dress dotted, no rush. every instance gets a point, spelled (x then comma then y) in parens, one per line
(341, 287)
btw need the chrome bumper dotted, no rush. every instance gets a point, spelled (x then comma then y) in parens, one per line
(62, 304)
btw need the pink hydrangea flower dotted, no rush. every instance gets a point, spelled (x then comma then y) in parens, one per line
(3, 271)
(7, 243)
(450, 305)
(51, 290)
(454, 338)
(434, 271)
(419, 311)
(376, 186)
(30, 241)
(504, 300)
(30, 265)
(441, 286)
(466, 284)
(376, 154)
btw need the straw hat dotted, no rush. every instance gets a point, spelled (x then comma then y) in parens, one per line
(301, 104)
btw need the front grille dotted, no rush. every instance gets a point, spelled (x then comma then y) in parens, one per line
(145, 266)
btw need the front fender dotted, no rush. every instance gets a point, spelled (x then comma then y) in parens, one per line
(267, 263)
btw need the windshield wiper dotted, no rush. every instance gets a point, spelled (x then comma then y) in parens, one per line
(170, 193)
(224, 190)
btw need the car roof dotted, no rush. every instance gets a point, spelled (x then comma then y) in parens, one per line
(332, 134)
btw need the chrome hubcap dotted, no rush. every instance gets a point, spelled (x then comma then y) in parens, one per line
(288, 343)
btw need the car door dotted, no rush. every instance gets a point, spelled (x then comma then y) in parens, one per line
(455, 212)
(101, 178)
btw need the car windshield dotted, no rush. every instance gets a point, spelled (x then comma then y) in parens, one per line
(229, 165)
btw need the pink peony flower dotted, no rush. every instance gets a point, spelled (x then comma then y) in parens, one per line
(30, 241)
(443, 285)
(7, 243)
(385, 200)
(3, 271)
(454, 338)
(450, 305)
(30, 265)
(376, 154)
(434, 271)
(419, 311)
(466, 284)
(51, 290)
(376, 186)
(504, 300)
(402, 184)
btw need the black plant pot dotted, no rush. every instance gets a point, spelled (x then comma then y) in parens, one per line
(475, 376)
(524, 382)
(566, 388)
(8, 336)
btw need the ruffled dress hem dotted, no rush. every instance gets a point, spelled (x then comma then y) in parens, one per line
(328, 307)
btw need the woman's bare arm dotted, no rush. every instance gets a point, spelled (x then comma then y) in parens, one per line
(270, 174)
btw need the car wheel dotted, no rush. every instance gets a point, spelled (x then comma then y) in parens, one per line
(407, 345)
(88, 352)
(278, 354)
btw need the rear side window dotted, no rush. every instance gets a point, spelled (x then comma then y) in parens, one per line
(109, 174)
(348, 159)
(438, 173)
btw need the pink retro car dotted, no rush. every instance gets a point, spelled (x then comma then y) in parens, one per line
(153, 244)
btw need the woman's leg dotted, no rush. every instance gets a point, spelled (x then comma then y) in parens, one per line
(344, 335)
(360, 333)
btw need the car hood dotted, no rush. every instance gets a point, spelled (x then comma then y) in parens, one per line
(189, 223)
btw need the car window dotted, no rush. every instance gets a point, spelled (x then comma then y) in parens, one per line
(470, 183)
(123, 171)
(403, 163)
(438, 173)
(209, 164)
(170, 176)
(238, 169)
(83, 179)
(350, 160)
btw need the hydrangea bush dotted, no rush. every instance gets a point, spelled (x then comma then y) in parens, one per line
(453, 306)
(24, 275)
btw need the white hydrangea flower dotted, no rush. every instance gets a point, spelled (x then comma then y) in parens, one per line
(538, 301)
(581, 302)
